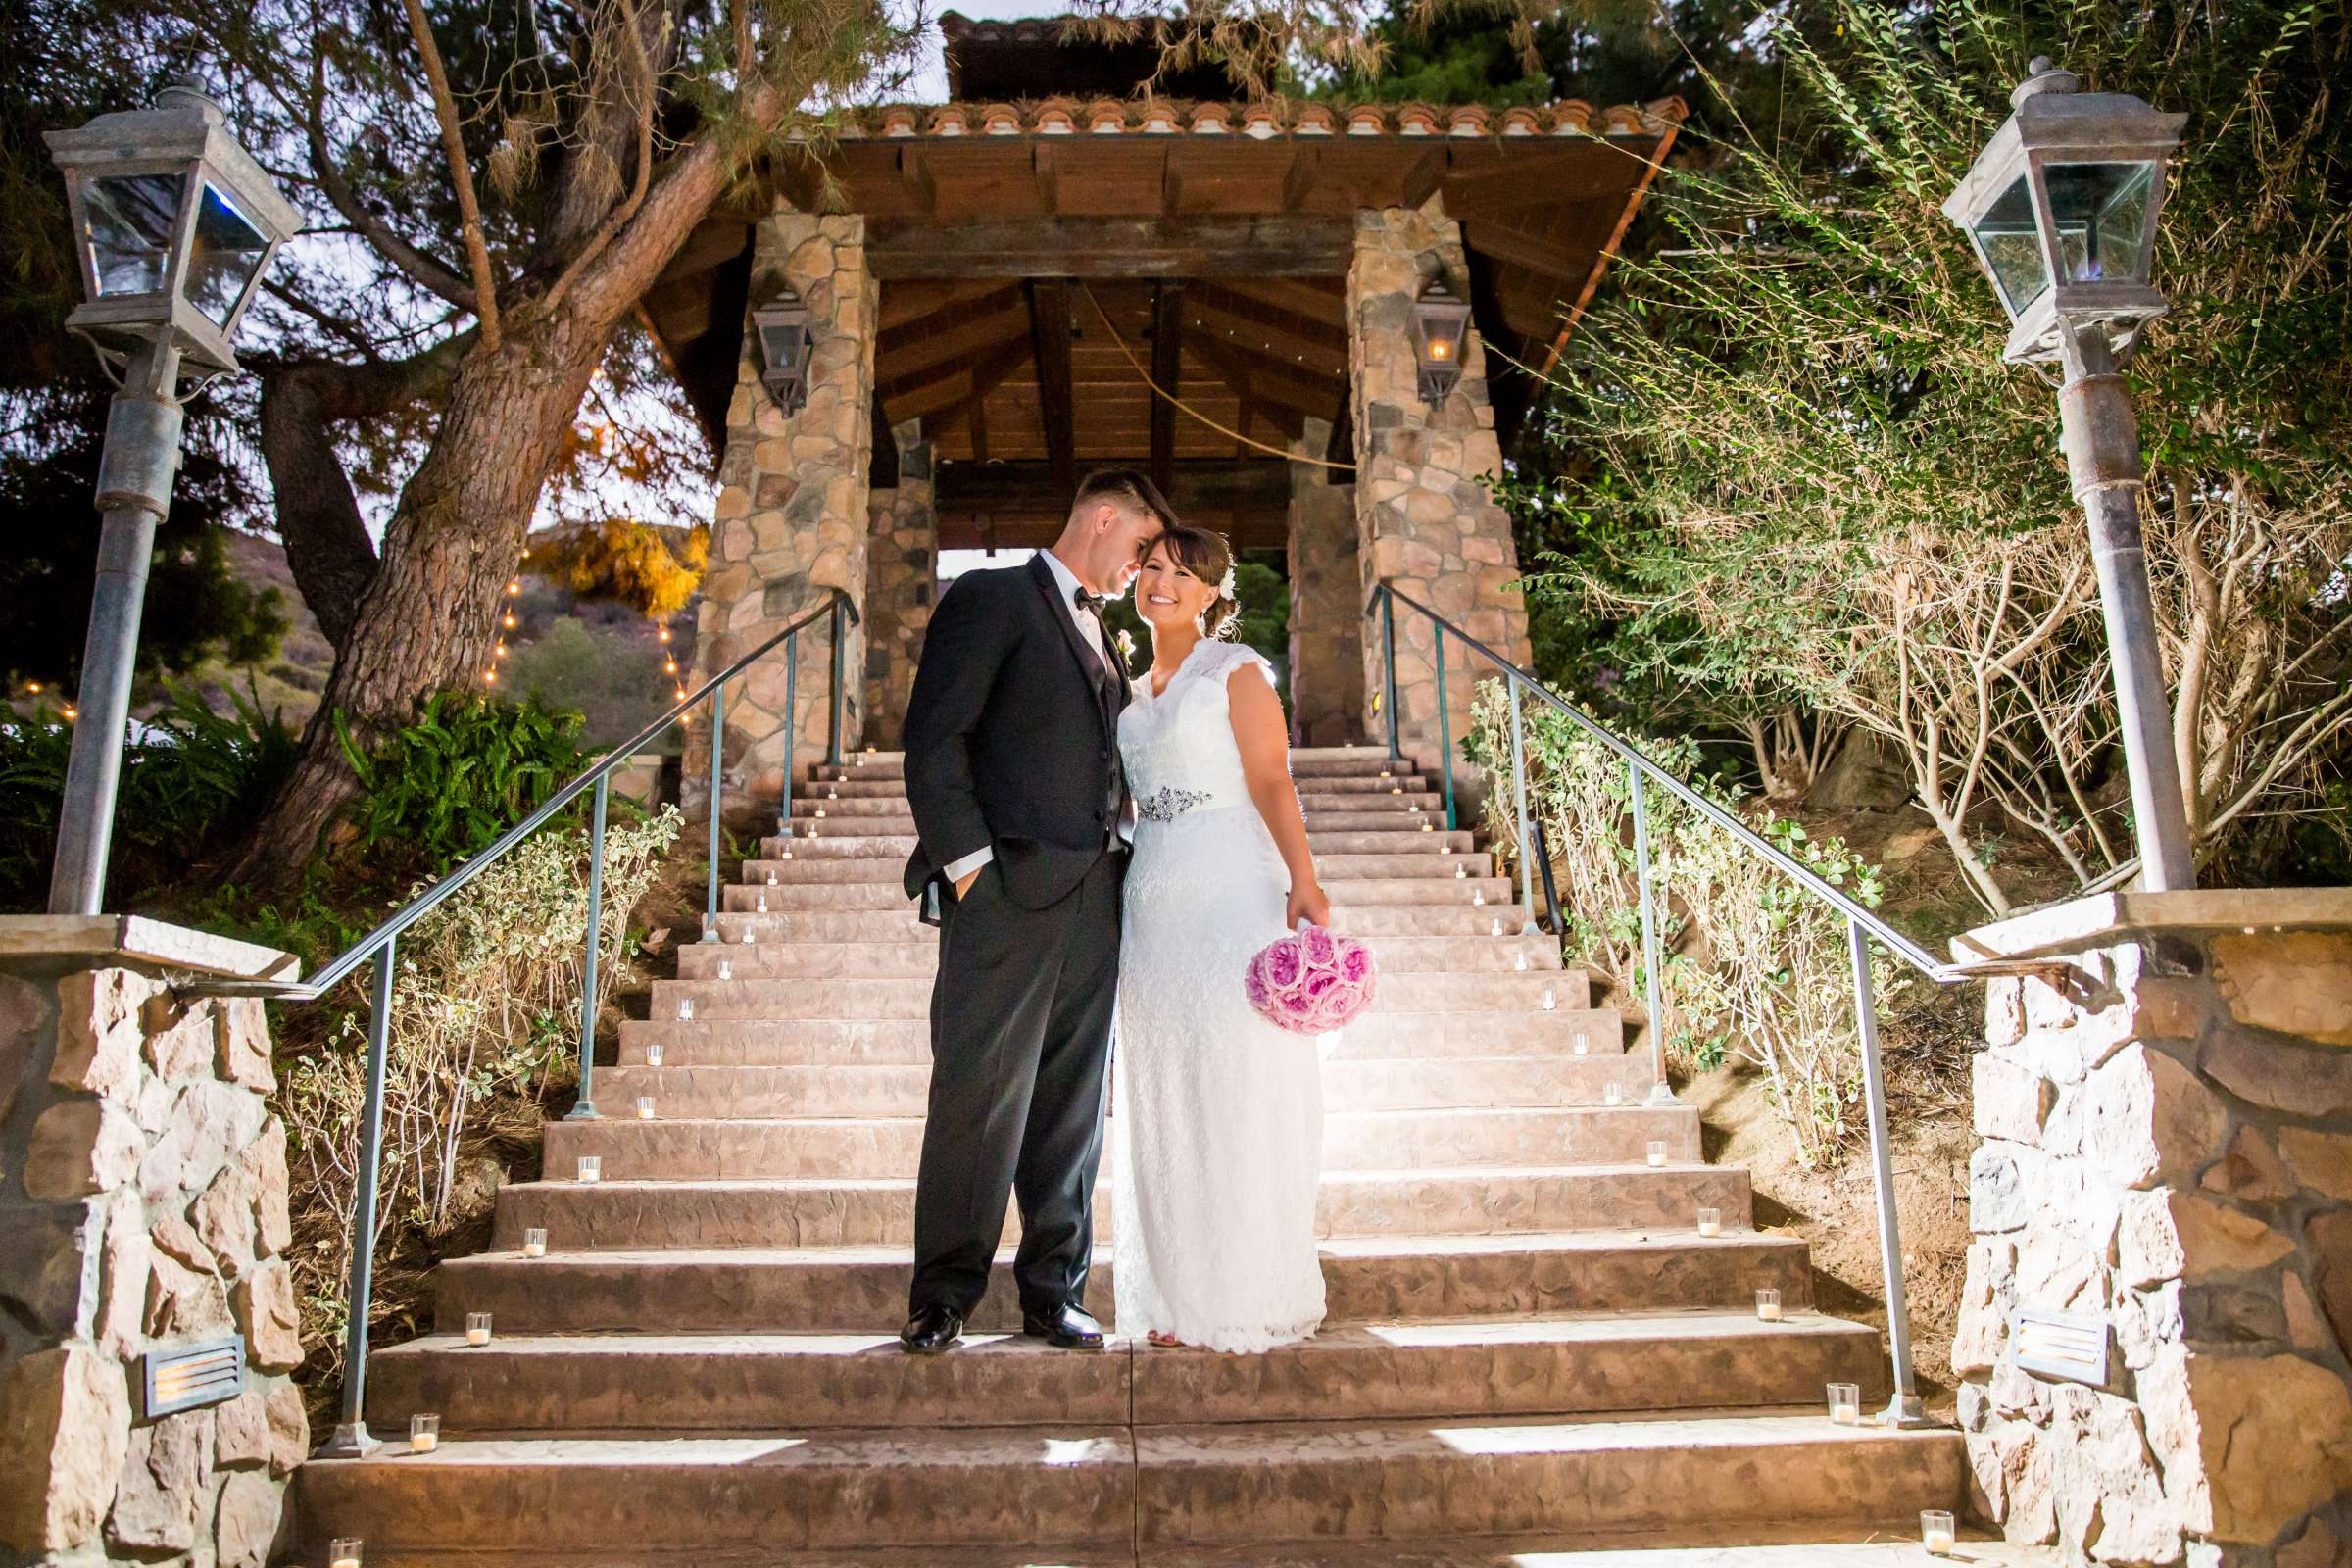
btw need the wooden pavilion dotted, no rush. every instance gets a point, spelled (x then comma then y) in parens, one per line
(995, 284)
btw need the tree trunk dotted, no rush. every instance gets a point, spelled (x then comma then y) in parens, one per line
(427, 620)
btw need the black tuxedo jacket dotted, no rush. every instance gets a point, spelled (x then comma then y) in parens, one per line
(1011, 737)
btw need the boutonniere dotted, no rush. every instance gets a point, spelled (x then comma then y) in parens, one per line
(1124, 642)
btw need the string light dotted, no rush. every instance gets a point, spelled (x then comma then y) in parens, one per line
(71, 713)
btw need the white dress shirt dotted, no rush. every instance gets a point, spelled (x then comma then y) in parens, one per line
(1089, 632)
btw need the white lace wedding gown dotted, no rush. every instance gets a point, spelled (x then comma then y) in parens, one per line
(1218, 1127)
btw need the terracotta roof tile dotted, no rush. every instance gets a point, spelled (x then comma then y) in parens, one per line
(1264, 120)
(1416, 119)
(1313, 120)
(1523, 121)
(950, 120)
(1212, 119)
(1469, 120)
(1106, 116)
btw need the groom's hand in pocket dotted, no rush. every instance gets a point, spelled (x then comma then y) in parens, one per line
(963, 883)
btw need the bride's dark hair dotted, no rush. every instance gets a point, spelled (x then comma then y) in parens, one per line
(1209, 556)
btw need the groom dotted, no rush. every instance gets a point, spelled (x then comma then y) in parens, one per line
(1013, 770)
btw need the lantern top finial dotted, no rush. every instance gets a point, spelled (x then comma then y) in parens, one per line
(187, 95)
(2042, 77)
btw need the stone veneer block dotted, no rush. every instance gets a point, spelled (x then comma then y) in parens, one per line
(1425, 519)
(144, 1187)
(1327, 599)
(2166, 1116)
(791, 521)
(902, 576)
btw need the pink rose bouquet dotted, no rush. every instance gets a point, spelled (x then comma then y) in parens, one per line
(1311, 982)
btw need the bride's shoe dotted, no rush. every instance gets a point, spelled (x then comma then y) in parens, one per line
(1166, 1341)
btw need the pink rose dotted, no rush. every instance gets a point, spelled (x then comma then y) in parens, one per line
(1355, 963)
(1317, 947)
(1283, 964)
(1320, 984)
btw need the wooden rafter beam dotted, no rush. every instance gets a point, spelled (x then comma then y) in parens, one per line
(1310, 338)
(1057, 408)
(1167, 369)
(949, 386)
(1291, 245)
(1601, 263)
(905, 350)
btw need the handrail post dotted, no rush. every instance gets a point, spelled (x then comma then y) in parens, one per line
(791, 697)
(351, 1439)
(1661, 1093)
(1388, 658)
(840, 685)
(1527, 899)
(718, 748)
(1906, 1408)
(584, 1109)
(1444, 732)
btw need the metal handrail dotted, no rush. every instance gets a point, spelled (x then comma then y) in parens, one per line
(350, 1438)
(1906, 1408)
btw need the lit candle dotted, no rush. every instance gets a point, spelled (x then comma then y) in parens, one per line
(772, 878)
(1479, 898)
(1768, 1306)
(344, 1553)
(477, 1328)
(762, 908)
(592, 1167)
(534, 1242)
(1395, 789)
(1846, 1403)
(645, 1108)
(813, 826)
(653, 1053)
(1657, 1151)
(1460, 871)
(747, 936)
(1426, 826)
(1583, 1042)
(1710, 1222)
(788, 851)
(424, 1434)
(821, 810)
(832, 795)
(1612, 1095)
(1552, 1002)
(1497, 928)
(685, 1009)
(1935, 1532)
(1520, 963)
(727, 971)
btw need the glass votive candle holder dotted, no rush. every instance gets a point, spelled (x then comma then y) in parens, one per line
(1935, 1532)
(762, 908)
(771, 877)
(1657, 1151)
(1768, 1306)
(727, 971)
(1498, 931)
(748, 937)
(534, 1242)
(343, 1552)
(1519, 962)
(1846, 1403)
(592, 1170)
(645, 1108)
(424, 1434)
(653, 1053)
(1479, 898)
(1581, 1044)
(1710, 1222)
(685, 1009)
(1461, 872)
(1612, 1094)
(477, 1328)
(1552, 1000)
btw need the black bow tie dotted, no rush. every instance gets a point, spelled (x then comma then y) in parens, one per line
(1088, 602)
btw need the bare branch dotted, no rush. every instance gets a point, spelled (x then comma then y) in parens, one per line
(460, 172)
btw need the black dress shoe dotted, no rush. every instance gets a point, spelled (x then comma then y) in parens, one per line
(931, 1330)
(1067, 1327)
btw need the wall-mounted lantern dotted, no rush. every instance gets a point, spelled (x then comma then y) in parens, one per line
(2061, 207)
(1440, 323)
(785, 347)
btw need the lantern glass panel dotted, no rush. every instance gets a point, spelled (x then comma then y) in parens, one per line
(226, 254)
(131, 220)
(780, 342)
(2011, 242)
(2102, 214)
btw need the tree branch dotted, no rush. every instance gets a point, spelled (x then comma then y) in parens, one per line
(641, 72)
(460, 172)
(420, 267)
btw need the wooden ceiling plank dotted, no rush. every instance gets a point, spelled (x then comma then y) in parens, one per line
(1111, 247)
(1238, 327)
(1251, 305)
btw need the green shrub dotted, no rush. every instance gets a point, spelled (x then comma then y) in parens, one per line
(468, 769)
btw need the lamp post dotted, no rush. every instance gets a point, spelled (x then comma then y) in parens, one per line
(2062, 207)
(173, 224)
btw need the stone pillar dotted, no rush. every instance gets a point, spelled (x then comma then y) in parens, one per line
(901, 579)
(1424, 518)
(2164, 1111)
(791, 519)
(142, 1208)
(1327, 600)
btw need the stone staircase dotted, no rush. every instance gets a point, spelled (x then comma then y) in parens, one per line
(1530, 1347)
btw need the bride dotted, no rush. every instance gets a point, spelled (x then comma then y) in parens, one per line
(1219, 1119)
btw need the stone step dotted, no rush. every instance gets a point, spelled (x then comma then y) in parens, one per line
(830, 1211)
(1370, 1280)
(1378, 1034)
(704, 1498)
(1664, 1475)
(910, 996)
(831, 869)
(1360, 892)
(687, 1383)
(919, 957)
(1305, 761)
(832, 922)
(687, 1149)
(1400, 839)
(1096, 1493)
(682, 1090)
(1353, 814)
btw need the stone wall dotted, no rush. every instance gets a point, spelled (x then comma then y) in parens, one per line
(902, 579)
(1424, 518)
(2165, 1115)
(791, 520)
(1327, 600)
(142, 1206)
